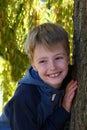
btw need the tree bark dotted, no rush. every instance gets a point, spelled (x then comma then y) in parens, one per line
(79, 109)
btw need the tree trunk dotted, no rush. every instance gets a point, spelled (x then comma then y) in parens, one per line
(79, 109)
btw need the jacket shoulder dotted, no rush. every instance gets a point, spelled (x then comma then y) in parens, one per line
(27, 93)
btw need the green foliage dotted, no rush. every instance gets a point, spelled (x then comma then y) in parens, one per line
(6, 83)
(17, 17)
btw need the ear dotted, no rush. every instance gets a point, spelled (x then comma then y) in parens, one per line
(34, 67)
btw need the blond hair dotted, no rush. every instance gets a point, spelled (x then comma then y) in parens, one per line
(47, 34)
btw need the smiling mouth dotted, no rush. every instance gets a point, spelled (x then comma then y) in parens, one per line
(54, 75)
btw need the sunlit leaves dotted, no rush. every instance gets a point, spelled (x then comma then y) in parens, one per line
(6, 85)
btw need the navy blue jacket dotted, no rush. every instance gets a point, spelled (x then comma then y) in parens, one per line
(35, 105)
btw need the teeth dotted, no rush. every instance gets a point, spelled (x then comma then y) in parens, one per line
(54, 75)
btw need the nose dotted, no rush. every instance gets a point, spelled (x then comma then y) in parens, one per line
(52, 65)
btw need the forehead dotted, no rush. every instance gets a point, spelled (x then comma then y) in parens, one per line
(41, 50)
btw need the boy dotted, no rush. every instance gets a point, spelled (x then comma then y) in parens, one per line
(44, 96)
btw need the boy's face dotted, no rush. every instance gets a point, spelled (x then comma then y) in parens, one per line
(51, 64)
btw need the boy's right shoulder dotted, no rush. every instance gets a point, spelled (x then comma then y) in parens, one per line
(26, 88)
(26, 93)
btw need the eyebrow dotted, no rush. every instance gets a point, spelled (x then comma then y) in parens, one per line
(58, 54)
(44, 58)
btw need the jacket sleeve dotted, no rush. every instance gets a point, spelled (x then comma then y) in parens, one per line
(57, 120)
(22, 117)
(23, 108)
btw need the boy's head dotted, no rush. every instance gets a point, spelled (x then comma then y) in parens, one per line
(48, 35)
(48, 48)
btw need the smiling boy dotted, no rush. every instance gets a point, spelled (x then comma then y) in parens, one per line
(36, 103)
(51, 64)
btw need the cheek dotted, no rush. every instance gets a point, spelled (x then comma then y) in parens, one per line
(63, 64)
(64, 67)
(40, 69)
